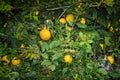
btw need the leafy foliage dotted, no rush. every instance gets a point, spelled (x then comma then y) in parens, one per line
(20, 24)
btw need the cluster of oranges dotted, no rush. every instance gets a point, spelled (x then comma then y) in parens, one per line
(15, 61)
(71, 18)
(109, 58)
(45, 34)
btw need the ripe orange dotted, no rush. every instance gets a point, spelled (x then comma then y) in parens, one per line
(45, 34)
(110, 59)
(68, 59)
(83, 21)
(15, 61)
(62, 20)
(70, 17)
(5, 59)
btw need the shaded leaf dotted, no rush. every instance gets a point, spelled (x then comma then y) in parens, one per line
(102, 71)
(56, 56)
(81, 25)
(46, 63)
(44, 46)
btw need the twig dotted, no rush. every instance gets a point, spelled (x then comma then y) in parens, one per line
(62, 13)
(52, 9)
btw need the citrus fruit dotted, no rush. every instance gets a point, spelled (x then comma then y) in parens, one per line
(119, 20)
(37, 13)
(62, 20)
(116, 29)
(45, 34)
(102, 46)
(83, 21)
(79, 6)
(111, 29)
(5, 59)
(22, 46)
(69, 28)
(15, 61)
(70, 17)
(68, 58)
(110, 59)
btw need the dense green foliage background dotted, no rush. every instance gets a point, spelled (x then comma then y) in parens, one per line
(43, 60)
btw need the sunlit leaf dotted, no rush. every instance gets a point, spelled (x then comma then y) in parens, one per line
(45, 55)
(52, 67)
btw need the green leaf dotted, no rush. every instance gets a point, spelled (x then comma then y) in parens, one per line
(109, 2)
(89, 41)
(88, 48)
(107, 41)
(44, 46)
(83, 36)
(56, 56)
(48, 23)
(52, 67)
(70, 23)
(35, 18)
(81, 25)
(4, 7)
(102, 71)
(45, 55)
(31, 74)
(46, 62)
(89, 65)
(55, 44)
(14, 75)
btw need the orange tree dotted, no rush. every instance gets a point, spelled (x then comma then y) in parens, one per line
(59, 40)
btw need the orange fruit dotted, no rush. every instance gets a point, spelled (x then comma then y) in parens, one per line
(101, 45)
(111, 29)
(62, 20)
(45, 34)
(68, 58)
(70, 17)
(37, 13)
(5, 59)
(83, 21)
(79, 6)
(22, 46)
(15, 61)
(116, 29)
(119, 20)
(110, 59)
